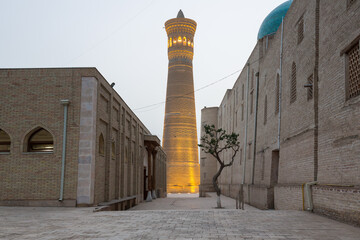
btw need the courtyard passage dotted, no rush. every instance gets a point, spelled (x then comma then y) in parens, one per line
(176, 217)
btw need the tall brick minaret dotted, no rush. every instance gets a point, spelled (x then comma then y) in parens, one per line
(180, 136)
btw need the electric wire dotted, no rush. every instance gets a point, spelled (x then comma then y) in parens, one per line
(95, 45)
(156, 105)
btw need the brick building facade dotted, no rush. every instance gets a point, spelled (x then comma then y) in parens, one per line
(68, 139)
(296, 106)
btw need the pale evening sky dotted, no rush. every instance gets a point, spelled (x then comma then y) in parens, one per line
(126, 41)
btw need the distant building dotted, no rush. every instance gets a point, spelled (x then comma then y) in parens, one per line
(296, 106)
(180, 136)
(68, 139)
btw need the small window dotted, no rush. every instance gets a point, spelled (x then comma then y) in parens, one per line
(126, 155)
(236, 118)
(179, 39)
(101, 145)
(310, 87)
(184, 41)
(5, 141)
(293, 83)
(353, 72)
(123, 117)
(252, 79)
(277, 97)
(113, 150)
(263, 166)
(240, 157)
(242, 112)
(41, 141)
(265, 110)
(170, 42)
(249, 152)
(300, 28)
(350, 2)
(242, 92)
(251, 101)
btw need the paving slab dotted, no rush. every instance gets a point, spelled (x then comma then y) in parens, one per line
(199, 221)
(188, 202)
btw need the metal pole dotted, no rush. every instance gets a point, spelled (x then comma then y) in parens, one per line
(65, 103)
(255, 127)
(280, 82)
(246, 123)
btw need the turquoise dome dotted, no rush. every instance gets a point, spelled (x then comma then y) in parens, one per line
(272, 22)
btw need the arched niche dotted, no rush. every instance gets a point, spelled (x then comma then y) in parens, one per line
(39, 140)
(5, 142)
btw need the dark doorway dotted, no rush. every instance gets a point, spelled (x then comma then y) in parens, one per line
(274, 168)
(274, 175)
(144, 191)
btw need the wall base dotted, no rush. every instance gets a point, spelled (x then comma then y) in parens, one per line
(204, 188)
(337, 202)
(39, 203)
(259, 196)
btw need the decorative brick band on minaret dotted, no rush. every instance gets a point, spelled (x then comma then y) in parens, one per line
(180, 135)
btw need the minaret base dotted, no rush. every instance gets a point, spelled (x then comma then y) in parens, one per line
(185, 178)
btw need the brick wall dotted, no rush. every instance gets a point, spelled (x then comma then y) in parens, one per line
(337, 202)
(31, 99)
(338, 121)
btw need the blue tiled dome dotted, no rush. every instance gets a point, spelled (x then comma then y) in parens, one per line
(272, 22)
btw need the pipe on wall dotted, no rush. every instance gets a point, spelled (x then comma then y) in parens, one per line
(65, 103)
(246, 122)
(280, 81)
(255, 128)
(306, 191)
(316, 91)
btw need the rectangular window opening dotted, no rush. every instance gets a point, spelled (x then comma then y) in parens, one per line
(300, 30)
(310, 87)
(353, 72)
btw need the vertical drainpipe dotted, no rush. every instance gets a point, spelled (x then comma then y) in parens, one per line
(316, 91)
(246, 122)
(280, 82)
(255, 127)
(65, 103)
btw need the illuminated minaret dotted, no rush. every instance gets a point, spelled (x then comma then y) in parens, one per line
(180, 136)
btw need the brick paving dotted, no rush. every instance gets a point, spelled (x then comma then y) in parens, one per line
(185, 218)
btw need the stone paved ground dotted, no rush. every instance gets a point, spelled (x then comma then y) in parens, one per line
(200, 222)
(188, 201)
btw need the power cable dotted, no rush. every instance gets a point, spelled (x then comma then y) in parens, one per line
(189, 93)
(155, 105)
(112, 33)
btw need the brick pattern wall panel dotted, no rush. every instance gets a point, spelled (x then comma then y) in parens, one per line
(339, 132)
(340, 203)
(288, 198)
(36, 176)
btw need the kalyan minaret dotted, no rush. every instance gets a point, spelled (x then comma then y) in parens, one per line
(180, 135)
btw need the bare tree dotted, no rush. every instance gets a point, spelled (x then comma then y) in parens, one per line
(215, 141)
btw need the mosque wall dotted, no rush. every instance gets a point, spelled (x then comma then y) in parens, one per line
(275, 174)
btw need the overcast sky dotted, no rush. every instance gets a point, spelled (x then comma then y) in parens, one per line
(126, 41)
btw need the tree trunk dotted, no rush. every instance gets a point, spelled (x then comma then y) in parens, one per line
(216, 187)
(218, 202)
